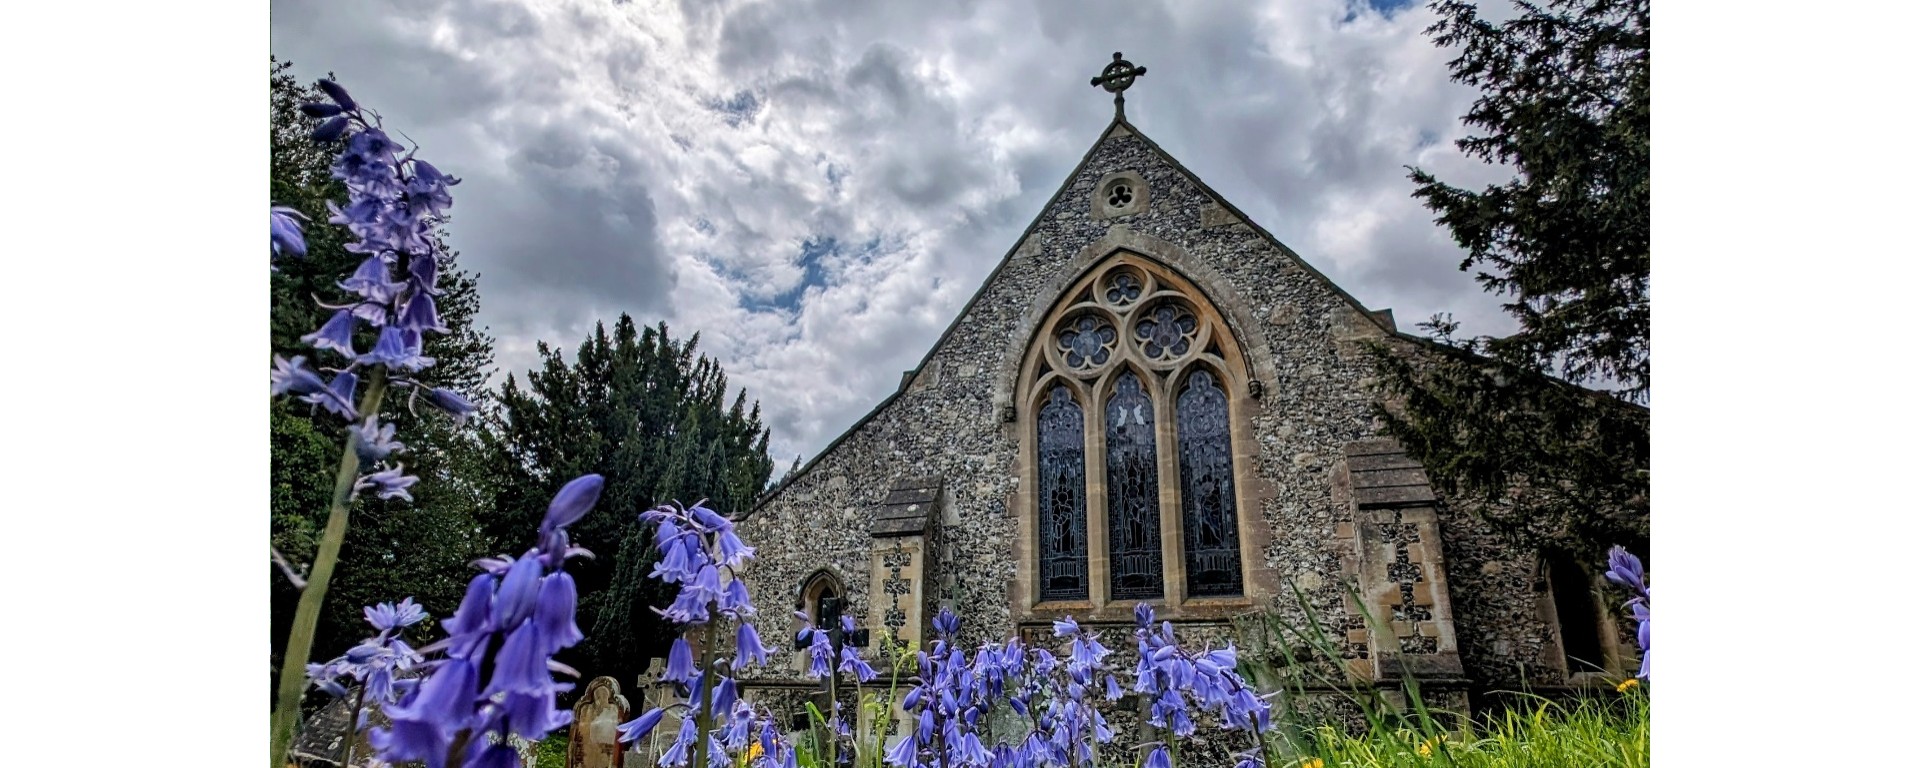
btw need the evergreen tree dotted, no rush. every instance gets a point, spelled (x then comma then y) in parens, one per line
(641, 410)
(1564, 104)
(393, 549)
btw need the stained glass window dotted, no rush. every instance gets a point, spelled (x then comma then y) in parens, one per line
(1063, 499)
(1206, 489)
(1088, 342)
(1133, 493)
(1167, 331)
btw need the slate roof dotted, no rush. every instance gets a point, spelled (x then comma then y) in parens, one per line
(1385, 476)
(910, 505)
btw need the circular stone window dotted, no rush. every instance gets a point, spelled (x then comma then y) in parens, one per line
(1120, 194)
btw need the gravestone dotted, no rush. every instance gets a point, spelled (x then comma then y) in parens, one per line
(594, 740)
(656, 693)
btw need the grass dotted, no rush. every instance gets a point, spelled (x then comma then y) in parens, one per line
(1600, 730)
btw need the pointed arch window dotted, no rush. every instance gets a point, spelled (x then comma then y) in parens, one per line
(1131, 444)
(1063, 498)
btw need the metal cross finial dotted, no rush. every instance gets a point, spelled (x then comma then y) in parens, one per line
(1116, 78)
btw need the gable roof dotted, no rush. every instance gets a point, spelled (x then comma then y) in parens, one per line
(1118, 123)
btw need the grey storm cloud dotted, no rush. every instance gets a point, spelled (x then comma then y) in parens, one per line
(817, 187)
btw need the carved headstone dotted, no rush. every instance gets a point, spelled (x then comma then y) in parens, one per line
(595, 740)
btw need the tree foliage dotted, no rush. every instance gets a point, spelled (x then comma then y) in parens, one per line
(1563, 104)
(640, 409)
(393, 549)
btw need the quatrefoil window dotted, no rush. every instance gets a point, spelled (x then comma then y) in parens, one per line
(1167, 331)
(1123, 289)
(1088, 342)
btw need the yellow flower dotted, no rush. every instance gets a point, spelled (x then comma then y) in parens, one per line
(1313, 762)
(754, 752)
(1626, 684)
(1426, 747)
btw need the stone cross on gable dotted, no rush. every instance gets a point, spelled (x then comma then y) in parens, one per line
(1116, 78)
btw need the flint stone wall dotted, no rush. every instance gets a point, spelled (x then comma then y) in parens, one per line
(1304, 342)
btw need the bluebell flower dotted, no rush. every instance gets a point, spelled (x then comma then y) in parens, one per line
(388, 616)
(679, 663)
(337, 397)
(638, 728)
(1159, 758)
(287, 236)
(338, 94)
(451, 402)
(294, 377)
(391, 483)
(1625, 569)
(747, 645)
(374, 440)
(420, 314)
(554, 612)
(335, 334)
(573, 502)
(502, 625)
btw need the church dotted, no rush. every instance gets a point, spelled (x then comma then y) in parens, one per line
(1151, 399)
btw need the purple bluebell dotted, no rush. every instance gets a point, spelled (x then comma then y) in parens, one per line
(450, 401)
(747, 645)
(1159, 758)
(335, 334)
(337, 397)
(294, 377)
(374, 440)
(338, 94)
(574, 500)
(679, 663)
(420, 314)
(503, 625)
(391, 483)
(554, 612)
(287, 236)
(331, 129)
(1626, 570)
(638, 728)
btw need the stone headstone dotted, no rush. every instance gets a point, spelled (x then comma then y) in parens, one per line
(594, 740)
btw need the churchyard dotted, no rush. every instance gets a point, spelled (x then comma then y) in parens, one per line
(1161, 495)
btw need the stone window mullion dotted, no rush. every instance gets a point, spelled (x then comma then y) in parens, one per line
(1172, 538)
(1098, 572)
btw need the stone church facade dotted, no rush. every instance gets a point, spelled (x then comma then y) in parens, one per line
(1152, 399)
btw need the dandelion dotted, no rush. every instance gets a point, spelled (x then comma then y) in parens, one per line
(1627, 684)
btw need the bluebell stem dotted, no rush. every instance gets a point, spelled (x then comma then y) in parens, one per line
(696, 545)
(394, 202)
(512, 621)
(1626, 570)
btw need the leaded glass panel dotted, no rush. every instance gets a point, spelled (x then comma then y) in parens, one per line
(1211, 529)
(1167, 332)
(1087, 342)
(1063, 498)
(1133, 493)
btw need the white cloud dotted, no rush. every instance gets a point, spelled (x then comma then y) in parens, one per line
(671, 160)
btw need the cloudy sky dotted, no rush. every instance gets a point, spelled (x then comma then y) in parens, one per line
(817, 187)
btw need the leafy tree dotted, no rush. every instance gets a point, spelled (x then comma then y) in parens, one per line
(641, 410)
(1564, 104)
(394, 548)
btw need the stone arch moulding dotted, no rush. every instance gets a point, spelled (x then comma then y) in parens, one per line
(820, 583)
(1152, 319)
